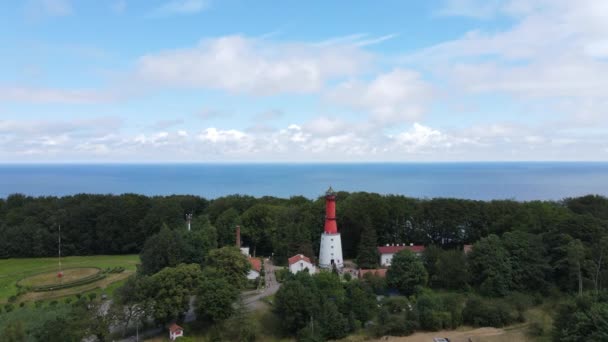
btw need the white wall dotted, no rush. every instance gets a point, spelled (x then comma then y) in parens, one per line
(301, 266)
(331, 249)
(385, 259)
(253, 274)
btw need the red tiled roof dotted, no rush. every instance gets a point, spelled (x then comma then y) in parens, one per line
(256, 264)
(380, 272)
(395, 249)
(174, 327)
(297, 258)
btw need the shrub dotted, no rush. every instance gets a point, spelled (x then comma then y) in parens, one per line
(38, 304)
(8, 307)
(347, 276)
(479, 312)
(22, 304)
(68, 300)
(92, 296)
(12, 299)
(53, 303)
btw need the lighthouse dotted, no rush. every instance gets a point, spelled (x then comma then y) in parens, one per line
(330, 252)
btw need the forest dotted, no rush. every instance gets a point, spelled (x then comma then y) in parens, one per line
(523, 253)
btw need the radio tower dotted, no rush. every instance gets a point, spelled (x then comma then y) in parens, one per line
(60, 274)
(189, 220)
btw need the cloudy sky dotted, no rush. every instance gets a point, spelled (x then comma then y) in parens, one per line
(210, 80)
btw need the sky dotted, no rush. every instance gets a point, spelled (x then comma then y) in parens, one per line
(303, 81)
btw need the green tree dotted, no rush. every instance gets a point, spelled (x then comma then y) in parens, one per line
(14, 332)
(215, 296)
(171, 289)
(60, 329)
(452, 270)
(576, 256)
(406, 273)
(332, 323)
(490, 267)
(361, 300)
(161, 250)
(296, 304)
(231, 265)
(226, 227)
(367, 256)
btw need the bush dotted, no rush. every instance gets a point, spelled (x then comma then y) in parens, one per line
(8, 307)
(12, 299)
(53, 303)
(92, 296)
(38, 304)
(493, 313)
(347, 276)
(22, 304)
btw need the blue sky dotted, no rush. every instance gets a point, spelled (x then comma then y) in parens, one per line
(287, 81)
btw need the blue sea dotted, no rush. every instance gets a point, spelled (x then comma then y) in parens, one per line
(485, 181)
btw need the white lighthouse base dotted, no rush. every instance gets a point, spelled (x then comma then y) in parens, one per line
(330, 252)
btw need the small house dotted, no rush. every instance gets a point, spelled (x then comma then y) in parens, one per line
(299, 263)
(256, 268)
(175, 331)
(387, 252)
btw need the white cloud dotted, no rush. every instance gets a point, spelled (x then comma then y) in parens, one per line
(50, 95)
(245, 65)
(397, 96)
(180, 7)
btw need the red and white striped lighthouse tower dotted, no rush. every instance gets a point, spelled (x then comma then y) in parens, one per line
(330, 251)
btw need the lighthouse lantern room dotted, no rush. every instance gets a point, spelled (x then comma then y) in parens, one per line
(330, 252)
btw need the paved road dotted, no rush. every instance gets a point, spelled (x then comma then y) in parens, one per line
(253, 301)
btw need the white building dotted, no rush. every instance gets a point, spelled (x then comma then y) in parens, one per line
(299, 263)
(256, 268)
(387, 252)
(175, 331)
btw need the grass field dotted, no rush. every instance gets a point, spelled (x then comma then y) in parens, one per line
(51, 278)
(13, 270)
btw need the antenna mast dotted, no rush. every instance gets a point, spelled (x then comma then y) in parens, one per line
(60, 274)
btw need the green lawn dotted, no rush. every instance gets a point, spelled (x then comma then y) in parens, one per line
(11, 270)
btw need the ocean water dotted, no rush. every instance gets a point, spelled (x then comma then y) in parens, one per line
(485, 181)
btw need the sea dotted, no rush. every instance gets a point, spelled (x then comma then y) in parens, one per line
(523, 181)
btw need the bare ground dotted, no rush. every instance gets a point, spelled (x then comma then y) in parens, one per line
(102, 283)
(466, 335)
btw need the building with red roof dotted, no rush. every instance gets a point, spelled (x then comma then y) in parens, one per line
(300, 262)
(379, 272)
(256, 268)
(175, 331)
(387, 252)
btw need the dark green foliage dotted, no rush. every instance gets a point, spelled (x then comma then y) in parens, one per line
(215, 297)
(161, 250)
(583, 319)
(230, 264)
(295, 304)
(406, 273)
(451, 270)
(170, 290)
(60, 329)
(14, 332)
(367, 256)
(490, 267)
(487, 313)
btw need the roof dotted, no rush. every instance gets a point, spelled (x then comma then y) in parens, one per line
(297, 258)
(380, 272)
(467, 248)
(174, 327)
(395, 249)
(256, 264)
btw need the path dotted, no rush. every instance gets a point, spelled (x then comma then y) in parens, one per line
(254, 302)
